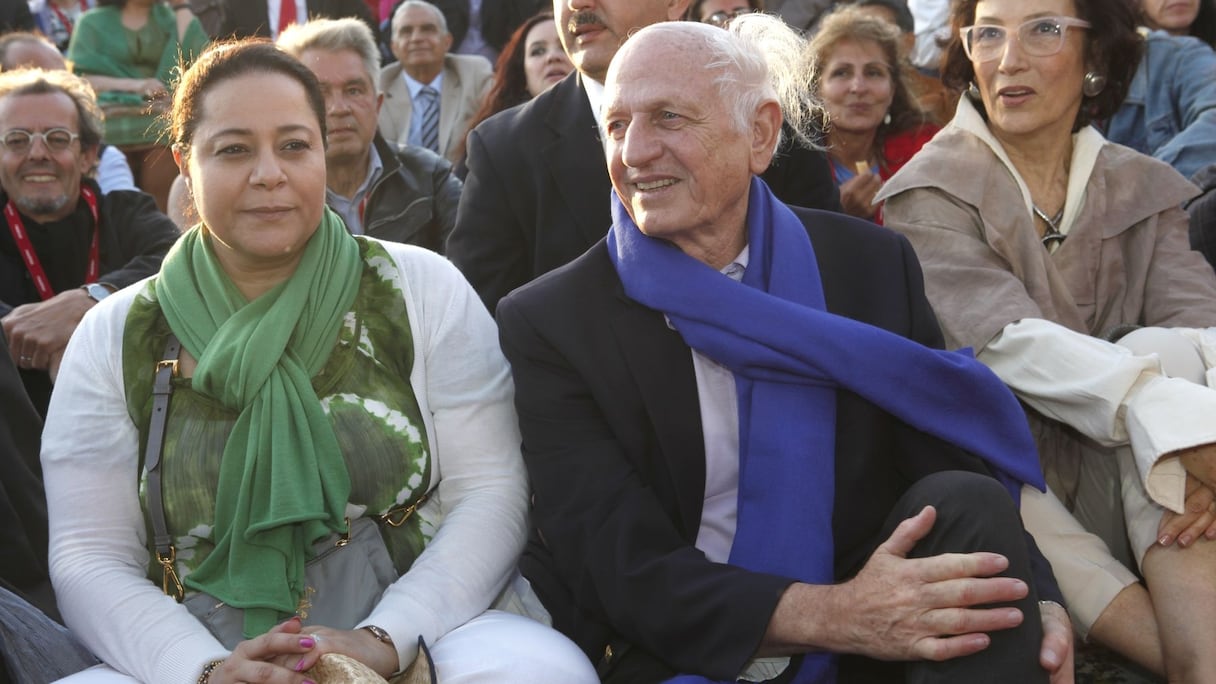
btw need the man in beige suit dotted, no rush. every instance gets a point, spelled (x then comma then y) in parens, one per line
(429, 95)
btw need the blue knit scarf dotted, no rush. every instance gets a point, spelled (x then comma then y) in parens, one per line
(789, 357)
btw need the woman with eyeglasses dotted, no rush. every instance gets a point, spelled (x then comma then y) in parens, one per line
(720, 12)
(1043, 245)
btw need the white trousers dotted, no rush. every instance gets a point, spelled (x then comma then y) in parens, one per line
(494, 648)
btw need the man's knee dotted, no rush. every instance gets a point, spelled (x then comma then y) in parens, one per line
(974, 512)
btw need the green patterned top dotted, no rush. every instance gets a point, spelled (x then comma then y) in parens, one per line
(364, 388)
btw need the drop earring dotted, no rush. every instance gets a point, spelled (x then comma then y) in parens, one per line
(973, 91)
(886, 120)
(1093, 84)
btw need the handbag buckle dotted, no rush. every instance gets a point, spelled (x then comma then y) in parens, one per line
(397, 515)
(171, 364)
(169, 574)
(345, 538)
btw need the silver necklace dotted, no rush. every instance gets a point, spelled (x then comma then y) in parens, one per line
(1053, 236)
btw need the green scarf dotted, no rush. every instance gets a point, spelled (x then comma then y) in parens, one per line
(283, 482)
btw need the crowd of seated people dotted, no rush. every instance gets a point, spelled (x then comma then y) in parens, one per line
(424, 378)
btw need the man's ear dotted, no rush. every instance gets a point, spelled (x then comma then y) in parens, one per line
(179, 158)
(765, 132)
(90, 157)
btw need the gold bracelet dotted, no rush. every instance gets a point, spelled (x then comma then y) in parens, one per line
(207, 670)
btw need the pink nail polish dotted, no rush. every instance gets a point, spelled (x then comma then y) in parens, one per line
(1164, 540)
(300, 665)
(307, 642)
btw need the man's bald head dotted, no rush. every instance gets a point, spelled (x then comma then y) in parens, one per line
(22, 50)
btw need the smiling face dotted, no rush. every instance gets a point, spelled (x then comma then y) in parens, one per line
(593, 30)
(419, 43)
(43, 183)
(677, 159)
(856, 86)
(545, 62)
(256, 167)
(351, 103)
(1026, 96)
(1175, 16)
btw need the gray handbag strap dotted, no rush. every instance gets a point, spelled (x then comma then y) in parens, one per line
(162, 389)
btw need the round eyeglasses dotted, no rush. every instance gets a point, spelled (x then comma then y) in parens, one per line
(1039, 37)
(19, 141)
(722, 17)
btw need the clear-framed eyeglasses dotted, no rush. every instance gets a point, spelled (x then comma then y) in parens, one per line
(722, 17)
(19, 140)
(1039, 37)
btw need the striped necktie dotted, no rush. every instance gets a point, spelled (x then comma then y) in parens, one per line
(428, 108)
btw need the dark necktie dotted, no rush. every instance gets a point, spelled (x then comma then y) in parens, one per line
(428, 109)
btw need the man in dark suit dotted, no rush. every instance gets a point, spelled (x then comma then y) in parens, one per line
(730, 469)
(243, 18)
(535, 195)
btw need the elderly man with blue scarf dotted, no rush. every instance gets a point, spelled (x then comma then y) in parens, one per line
(749, 461)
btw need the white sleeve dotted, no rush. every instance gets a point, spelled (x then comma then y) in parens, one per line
(1108, 394)
(98, 557)
(113, 171)
(464, 387)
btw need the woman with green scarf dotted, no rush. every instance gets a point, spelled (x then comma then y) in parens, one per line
(129, 51)
(323, 380)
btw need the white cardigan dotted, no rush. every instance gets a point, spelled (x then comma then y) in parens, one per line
(98, 545)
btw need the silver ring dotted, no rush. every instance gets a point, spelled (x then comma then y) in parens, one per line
(27, 359)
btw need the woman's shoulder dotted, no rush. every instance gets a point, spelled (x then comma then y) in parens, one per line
(1155, 185)
(952, 160)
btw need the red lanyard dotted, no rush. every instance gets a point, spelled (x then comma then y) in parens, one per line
(68, 24)
(17, 227)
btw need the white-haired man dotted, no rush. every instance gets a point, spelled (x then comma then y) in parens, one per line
(537, 184)
(745, 462)
(404, 194)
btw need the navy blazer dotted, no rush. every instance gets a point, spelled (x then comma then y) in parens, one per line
(537, 191)
(612, 438)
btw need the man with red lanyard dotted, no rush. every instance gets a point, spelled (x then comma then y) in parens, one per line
(64, 246)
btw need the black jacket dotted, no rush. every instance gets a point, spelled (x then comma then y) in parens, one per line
(414, 200)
